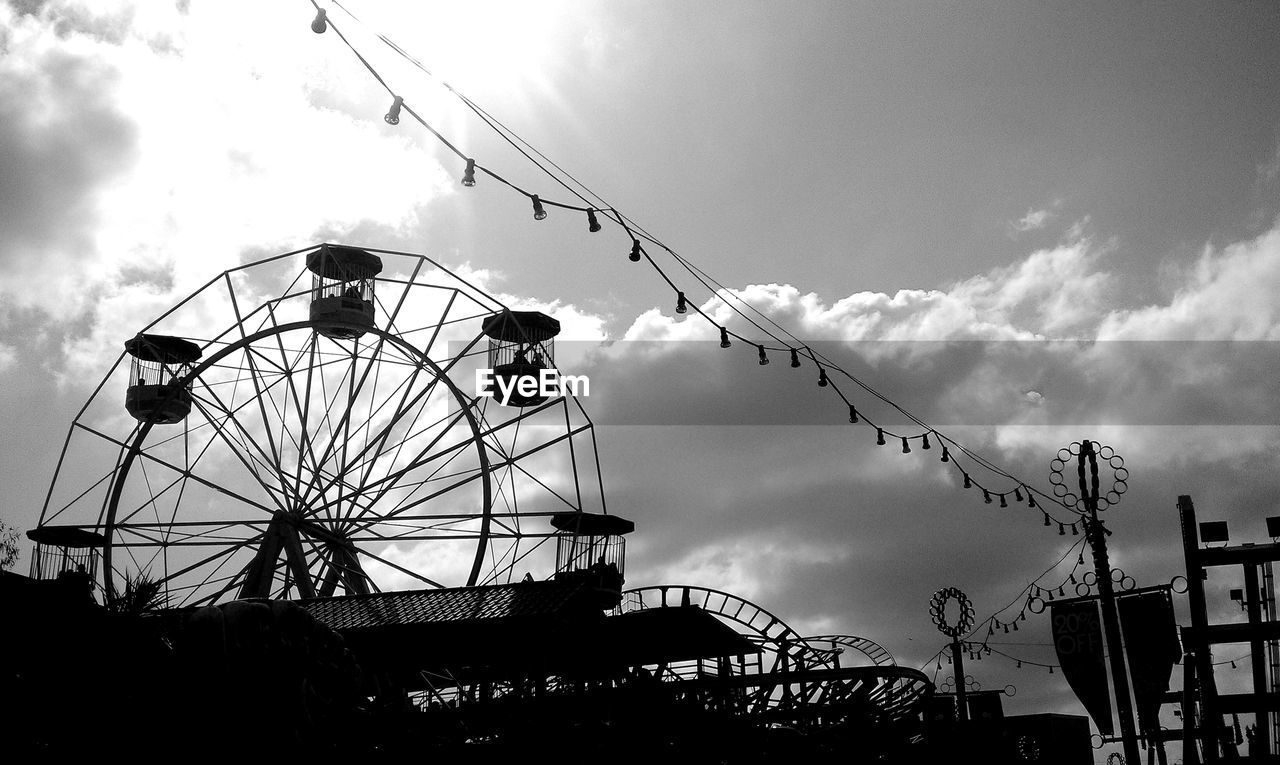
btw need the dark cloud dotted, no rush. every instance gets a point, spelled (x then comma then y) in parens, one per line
(61, 138)
(955, 383)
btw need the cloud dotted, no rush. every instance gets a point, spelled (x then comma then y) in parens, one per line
(1227, 295)
(62, 137)
(146, 149)
(1032, 221)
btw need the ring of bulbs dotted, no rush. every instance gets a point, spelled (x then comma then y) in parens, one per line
(1119, 477)
(938, 610)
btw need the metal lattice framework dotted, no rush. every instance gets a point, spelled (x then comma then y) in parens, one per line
(793, 678)
(322, 458)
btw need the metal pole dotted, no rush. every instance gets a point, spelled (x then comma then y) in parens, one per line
(1190, 752)
(1253, 604)
(961, 698)
(1097, 538)
(1210, 718)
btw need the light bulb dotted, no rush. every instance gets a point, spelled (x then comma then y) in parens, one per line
(724, 337)
(1074, 533)
(946, 455)
(879, 436)
(593, 225)
(906, 446)
(853, 414)
(986, 496)
(469, 175)
(681, 305)
(764, 359)
(968, 482)
(321, 22)
(539, 212)
(924, 441)
(393, 114)
(822, 377)
(795, 358)
(1046, 519)
(634, 257)
(1062, 530)
(1031, 501)
(1003, 503)
(1017, 494)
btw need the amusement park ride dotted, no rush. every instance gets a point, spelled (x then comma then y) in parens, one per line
(295, 431)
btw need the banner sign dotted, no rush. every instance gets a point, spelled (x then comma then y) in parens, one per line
(1152, 648)
(1077, 639)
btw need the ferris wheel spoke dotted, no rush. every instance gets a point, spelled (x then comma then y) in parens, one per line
(373, 556)
(381, 439)
(228, 415)
(192, 476)
(327, 421)
(57, 513)
(510, 569)
(254, 376)
(152, 496)
(225, 553)
(400, 509)
(246, 456)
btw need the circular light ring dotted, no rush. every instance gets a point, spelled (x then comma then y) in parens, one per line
(1010, 690)
(1035, 605)
(938, 607)
(1173, 584)
(1059, 475)
(1082, 589)
(1128, 583)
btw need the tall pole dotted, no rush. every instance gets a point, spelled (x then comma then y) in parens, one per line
(961, 698)
(1097, 538)
(1210, 717)
(1253, 603)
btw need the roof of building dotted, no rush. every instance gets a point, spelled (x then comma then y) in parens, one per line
(455, 605)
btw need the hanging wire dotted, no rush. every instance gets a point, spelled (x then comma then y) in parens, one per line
(728, 297)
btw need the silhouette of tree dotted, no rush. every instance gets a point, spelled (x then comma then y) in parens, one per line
(141, 593)
(8, 545)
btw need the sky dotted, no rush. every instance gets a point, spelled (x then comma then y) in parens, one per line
(1026, 223)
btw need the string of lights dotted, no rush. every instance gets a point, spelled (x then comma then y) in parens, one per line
(1022, 600)
(779, 340)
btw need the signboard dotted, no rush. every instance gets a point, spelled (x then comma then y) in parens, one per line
(1151, 645)
(1077, 639)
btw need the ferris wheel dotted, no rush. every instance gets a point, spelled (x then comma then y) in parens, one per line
(309, 425)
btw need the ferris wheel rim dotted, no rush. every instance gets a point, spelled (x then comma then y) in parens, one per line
(135, 445)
